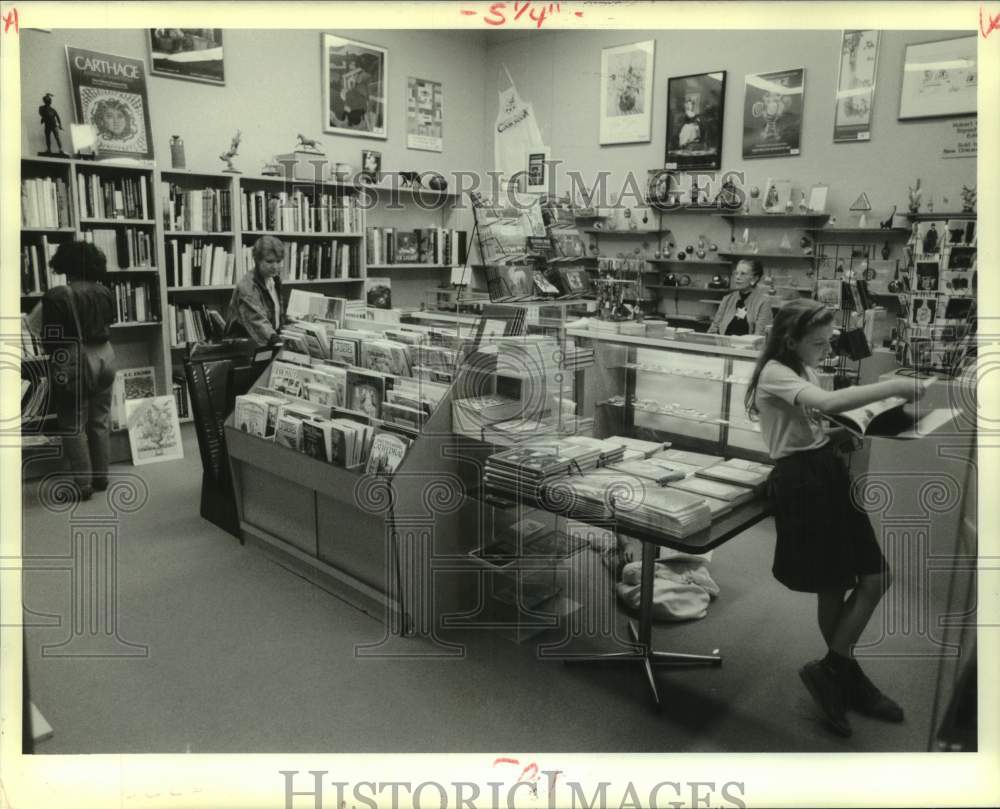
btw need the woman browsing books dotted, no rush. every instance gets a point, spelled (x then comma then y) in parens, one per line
(745, 310)
(256, 309)
(825, 544)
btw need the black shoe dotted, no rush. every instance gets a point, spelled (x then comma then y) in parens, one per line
(84, 493)
(864, 697)
(829, 693)
(99, 484)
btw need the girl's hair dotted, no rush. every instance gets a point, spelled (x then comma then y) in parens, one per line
(756, 267)
(79, 261)
(268, 244)
(792, 322)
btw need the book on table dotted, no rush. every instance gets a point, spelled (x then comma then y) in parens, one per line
(713, 488)
(736, 470)
(894, 417)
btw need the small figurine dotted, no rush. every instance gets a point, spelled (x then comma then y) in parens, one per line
(308, 145)
(409, 178)
(228, 156)
(931, 240)
(271, 169)
(886, 224)
(803, 206)
(915, 192)
(968, 199)
(52, 123)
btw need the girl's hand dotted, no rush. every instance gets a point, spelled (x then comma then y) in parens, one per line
(909, 389)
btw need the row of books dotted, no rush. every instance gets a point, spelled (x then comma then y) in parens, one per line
(316, 260)
(208, 209)
(199, 263)
(193, 323)
(124, 248)
(135, 301)
(36, 274)
(300, 212)
(45, 203)
(321, 431)
(113, 197)
(441, 246)
(31, 346)
(181, 399)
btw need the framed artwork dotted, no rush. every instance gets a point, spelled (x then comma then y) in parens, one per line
(118, 110)
(371, 166)
(817, 198)
(627, 93)
(354, 83)
(187, 53)
(694, 121)
(939, 79)
(154, 432)
(772, 113)
(536, 169)
(424, 115)
(852, 120)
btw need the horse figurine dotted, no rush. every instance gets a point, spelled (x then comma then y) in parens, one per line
(308, 144)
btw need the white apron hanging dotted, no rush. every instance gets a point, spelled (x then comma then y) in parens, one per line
(516, 133)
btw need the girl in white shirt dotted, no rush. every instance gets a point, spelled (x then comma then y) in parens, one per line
(825, 543)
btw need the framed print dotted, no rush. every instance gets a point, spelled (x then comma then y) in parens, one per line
(772, 113)
(187, 53)
(627, 93)
(154, 432)
(817, 198)
(424, 115)
(694, 121)
(354, 83)
(852, 120)
(536, 168)
(939, 79)
(110, 93)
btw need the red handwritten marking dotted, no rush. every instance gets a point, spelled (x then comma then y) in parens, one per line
(467, 12)
(505, 761)
(578, 13)
(536, 12)
(497, 9)
(11, 19)
(994, 23)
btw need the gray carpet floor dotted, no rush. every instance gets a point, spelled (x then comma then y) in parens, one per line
(243, 656)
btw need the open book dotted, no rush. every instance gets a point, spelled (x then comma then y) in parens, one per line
(893, 418)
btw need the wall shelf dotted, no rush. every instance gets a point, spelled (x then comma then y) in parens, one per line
(768, 256)
(126, 222)
(937, 217)
(198, 233)
(292, 234)
(416, 265)
(673, 262)
(806, 220)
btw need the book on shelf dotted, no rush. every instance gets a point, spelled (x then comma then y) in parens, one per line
(257, 413)
(736, 470)
(378, 292)
(130, 383)
(386, 357)
(386, 453)
(648, 471)
(199, 209)
(349, 442)
(729, 492)
(698, 459)
(366, 391)
(100, 197)
(45, 203)
(124, 248)
(893, 417)
(288, 431)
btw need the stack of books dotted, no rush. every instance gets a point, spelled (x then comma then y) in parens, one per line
(669, 511)
(518, 431)
(636, 448)
(588, 497)
(656, 473)
(575, 357)
(611, 452)
(739, 472)
(729, 492)
(524, 471)
(696, 459)
(471, 416)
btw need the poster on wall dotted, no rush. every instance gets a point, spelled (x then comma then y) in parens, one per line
(187, 53)
(627, 93)
(939, 79)
(424, 115)
(109, 92)
(772, 113)
(354, 82)
(515, 132)
(856, 87)
(694, 121)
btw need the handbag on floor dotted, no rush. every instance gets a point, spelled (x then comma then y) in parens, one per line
(682, 590)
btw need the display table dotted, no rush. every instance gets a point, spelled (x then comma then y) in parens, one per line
(723, 529)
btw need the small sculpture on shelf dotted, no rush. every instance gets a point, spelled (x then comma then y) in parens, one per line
(718, 282)
(271, 169)
(806, 245)
(914, 194)
(728, 196)
(754, 194)
(52, 123)
(968, 199)
(862, 205)
(309, 145)
(409, 179)
(886, 224)
(227, 156)
(803, 205)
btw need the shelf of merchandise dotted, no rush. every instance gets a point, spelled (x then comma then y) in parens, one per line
(303, 234)
(42, 231)
(137, 324)
(199, 234)
(624, 232)
(805, 221)
(119, 221)
(355, 534)
(205, 288)
(698, 263)
(320, 281)
(416, 265)
(768, 256)
(931, 216)
(690, 288)
(862, 234)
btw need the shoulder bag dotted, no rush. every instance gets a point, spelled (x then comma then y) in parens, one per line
(97, 361)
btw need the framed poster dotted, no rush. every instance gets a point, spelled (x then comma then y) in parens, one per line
(852, 120)
(424, 115)
(627, 93)
(694, 121)
(110, 93)
(536, 168)
(154, 433)
(187, 53)
(354, 83)
(939, 79)
(772, 113)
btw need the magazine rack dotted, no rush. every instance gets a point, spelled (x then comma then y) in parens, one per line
(369, 540)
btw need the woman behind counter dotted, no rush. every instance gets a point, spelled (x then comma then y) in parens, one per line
(83, 309)
(256, 309)
(745, 310)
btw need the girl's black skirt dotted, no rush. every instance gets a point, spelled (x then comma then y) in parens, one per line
(824, 541)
